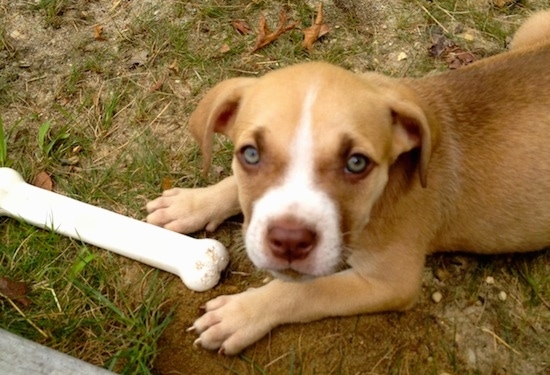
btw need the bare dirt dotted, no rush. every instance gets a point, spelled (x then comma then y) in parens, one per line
(480, 325)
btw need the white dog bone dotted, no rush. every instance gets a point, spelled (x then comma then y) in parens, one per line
(198, 262)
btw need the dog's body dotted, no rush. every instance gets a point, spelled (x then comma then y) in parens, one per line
(332, 167)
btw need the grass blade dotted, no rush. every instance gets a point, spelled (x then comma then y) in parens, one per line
(3, 144)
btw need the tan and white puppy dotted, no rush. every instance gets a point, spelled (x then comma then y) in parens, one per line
(333, 168)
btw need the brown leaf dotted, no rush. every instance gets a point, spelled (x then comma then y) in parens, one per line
(241, 26)
(166, 184)
(43, 181)
(317, 30)
(225, 48)
(440, 45)
(98, 33)
(459, 58)
(157, 85)
(454, 56)
(265, 36)
(15, 290)
(174, 67)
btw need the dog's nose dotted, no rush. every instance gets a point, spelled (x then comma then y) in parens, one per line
(290, 241)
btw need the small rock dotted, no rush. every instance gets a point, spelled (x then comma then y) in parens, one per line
(437, 297)
(490, 280)
(402, 56)
(17, 35)
(502, 296)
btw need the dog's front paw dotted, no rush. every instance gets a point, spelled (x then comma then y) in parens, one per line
(231, 323)
(185, 210)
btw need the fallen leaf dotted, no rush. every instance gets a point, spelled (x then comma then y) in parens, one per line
(43, 181)
(225, 48)
(402, 56)
(241, 26)
(459, 58)
(166, 184)
(454, 56)
(469, 36)
(503, 3)
(138, 59)
(317, 30)
(440, 45)
(174, 67)
(157, 85)
(15, 290)
(265, 36)
(98, 33)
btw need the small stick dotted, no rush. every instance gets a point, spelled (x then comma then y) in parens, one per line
(198, 262)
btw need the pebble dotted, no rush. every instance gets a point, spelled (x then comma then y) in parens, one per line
(437, 297)
(502, 296)
(402, 56)
(490, 280)
(17, 35)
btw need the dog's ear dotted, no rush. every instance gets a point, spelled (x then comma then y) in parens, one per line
(216, 113)
(411, 129)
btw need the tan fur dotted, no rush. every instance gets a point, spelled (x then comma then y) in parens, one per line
(461, 163)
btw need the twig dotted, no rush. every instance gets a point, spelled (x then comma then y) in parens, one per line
(433, 18)
(25, 317)
(497, 338)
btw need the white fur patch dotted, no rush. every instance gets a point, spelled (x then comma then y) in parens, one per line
(299, 198)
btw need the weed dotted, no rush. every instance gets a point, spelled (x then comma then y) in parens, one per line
(48, 141)
(53, 10)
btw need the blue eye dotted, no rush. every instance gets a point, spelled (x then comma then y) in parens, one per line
(250, 155)
(357, 164)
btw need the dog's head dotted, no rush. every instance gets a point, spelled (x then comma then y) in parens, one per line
(313, 147)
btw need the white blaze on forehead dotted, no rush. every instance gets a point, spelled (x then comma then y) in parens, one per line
(301, 155)
(299, 198)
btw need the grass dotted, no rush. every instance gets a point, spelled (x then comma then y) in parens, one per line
(110, 132)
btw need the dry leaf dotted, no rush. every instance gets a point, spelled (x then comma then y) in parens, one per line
(98, 33)
(453, 55)
(317, 30)
(43, 181)
(157, 85)
(459, 58)
(15, 290)
(166, 184)
(241, 26)
(138, 59)
(265, 36)
(225, 48)
(174, 67)
(503, 3)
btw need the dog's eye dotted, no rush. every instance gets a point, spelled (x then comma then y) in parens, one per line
(250, 155)
(357, 164)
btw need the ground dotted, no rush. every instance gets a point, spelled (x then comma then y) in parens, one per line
(96, 94)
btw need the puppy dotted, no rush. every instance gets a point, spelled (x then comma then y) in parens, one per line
(333, 168)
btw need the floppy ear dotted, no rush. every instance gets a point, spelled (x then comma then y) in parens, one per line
(411, 129)
(216, 113)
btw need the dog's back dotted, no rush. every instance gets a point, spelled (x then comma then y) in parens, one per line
(489, 180)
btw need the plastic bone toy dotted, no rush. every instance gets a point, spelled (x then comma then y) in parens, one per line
(198, 262)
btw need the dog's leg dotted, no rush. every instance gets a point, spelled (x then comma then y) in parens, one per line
(233, 322)
(190, 210)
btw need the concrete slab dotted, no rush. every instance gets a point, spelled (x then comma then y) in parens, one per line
(19, 356)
